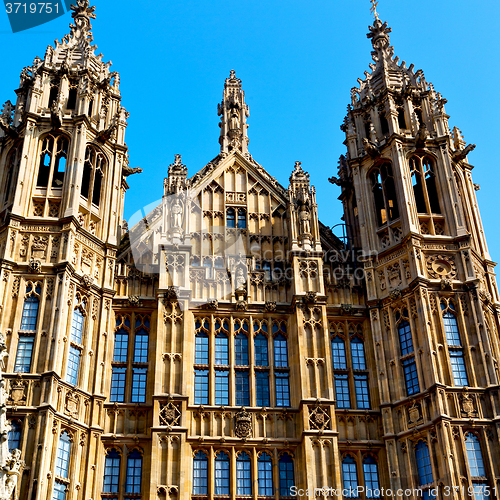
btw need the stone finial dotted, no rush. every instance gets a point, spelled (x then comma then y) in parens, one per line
(379, 33)
(82, 14)
(233, 112)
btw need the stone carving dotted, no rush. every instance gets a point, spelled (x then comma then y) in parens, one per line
(467, 404)
(241, 305)
(72, 405)
(34, 266)
(414, 415)
(87, 280)
(270, 306)
(17, 396)
(170, 414)
(212, 304)
(243, 424)
(134, 300)
(440, 266)
(319, 418)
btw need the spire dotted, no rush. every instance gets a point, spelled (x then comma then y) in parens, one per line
(233, 112)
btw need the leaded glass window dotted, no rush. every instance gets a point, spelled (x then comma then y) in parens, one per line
(286, 474)
(349, 477)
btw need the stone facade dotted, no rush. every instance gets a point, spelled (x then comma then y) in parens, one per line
(229, 345)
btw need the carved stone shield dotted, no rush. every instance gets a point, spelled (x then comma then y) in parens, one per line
(243, 425)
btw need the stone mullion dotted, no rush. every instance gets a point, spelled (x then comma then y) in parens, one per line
(276, 473)
(251, 362)
(232, 360)
(255, 470)
(232, 473)
(425, 341)
(211, 472)
(211, 368)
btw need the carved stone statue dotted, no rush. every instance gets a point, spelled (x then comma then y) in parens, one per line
(176, 215)
(304, 220)
(234, 120)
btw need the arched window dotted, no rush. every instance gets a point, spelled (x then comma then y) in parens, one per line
(221, 347)
(424, 185)
(134, 472)
(230, 218)
(14, 435)
(384, 192)
(112, 472)
(13, 161)
(358, 354)
(72, 96)
(200, 474)
(261, 350)
(93, 172)
(286, 475)
(243, 474)
(30, 308)
(201, 348)
(338, 351)
(349, 477)
(424, 467)
(53, 161)
(75, 348)
(370, 473)
(221, 474)
(265, 475)
(474, 455)
(241, 346)
(242, 218)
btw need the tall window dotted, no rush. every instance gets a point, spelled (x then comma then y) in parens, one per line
(28, 328)
(455, 349)
(370, 473)
(265, 475)
(242, 218)
(262, 396)
(200, 474)
(222, 362)
(281, 364)
(134, 472)
(222, 474)
(201, 342)
(286, 474)
(349, 476)
(201, 387)
(112, 472)
(140, 359)
(424, 467)
(241, 360)
(261, 353)
(130, 362)
(14, 435)
(424, 185)
(13, 162)
(93, 172)
(53, 161)
(62, 466)
(243, 474)
(407, 351)
(474, 456)
(384, 193)
(230, 218)
(76, 342)
(349, 365)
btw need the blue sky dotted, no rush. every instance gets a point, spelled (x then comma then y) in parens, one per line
(298, 61)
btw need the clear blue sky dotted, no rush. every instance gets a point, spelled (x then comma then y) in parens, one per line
(298, 61)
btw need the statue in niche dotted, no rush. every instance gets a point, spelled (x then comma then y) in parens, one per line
(234, 120)
(240, 279)
(176, 215)
(304, 220)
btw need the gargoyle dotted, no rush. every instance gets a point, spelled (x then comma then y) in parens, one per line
(462, 153)
(370, 147)
(126, 171)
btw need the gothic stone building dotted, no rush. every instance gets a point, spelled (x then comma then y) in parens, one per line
(229, 345)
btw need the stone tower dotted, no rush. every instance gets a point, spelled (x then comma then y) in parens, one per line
(229, 345)
(63, 164)
(410, 207)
